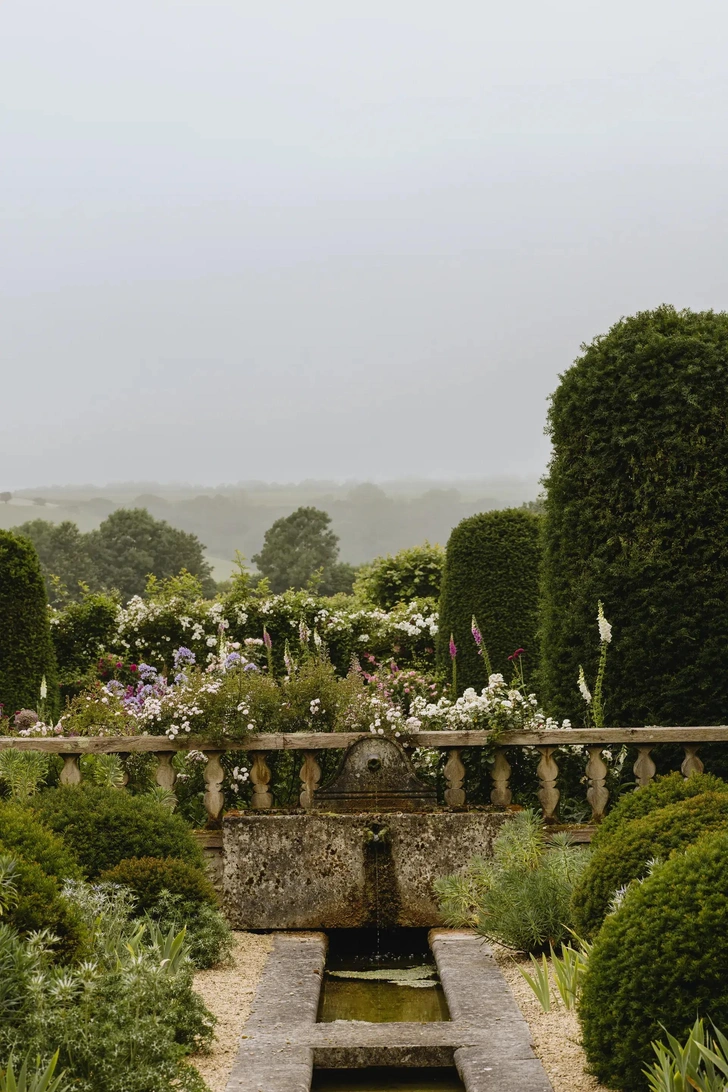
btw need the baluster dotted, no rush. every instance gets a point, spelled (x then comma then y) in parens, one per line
(310, 777)
(454, 775)
(548, 771)
(597, 794)
(213, 799)
(500, 794)
(260, 776)
(71, 772)
(691, 762)
(165, 774)
(644, 768)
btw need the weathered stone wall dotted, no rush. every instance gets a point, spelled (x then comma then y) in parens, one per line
(325, 871)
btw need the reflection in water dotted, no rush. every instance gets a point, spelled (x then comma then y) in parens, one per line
(386, 1080)
(381, 1001)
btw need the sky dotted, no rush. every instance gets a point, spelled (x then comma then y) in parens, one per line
(320, 240)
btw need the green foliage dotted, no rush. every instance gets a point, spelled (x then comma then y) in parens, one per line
(700, 1064)
(637, 516)
(130, 544)
(22, 772)
(26, 651)
(409, 574)
(32, 1078)
(65, 558)
(208, 935)
(39, 905)
(23, 833)
(147, 877)
(668, 789)
(627, 854)
(296, 547)
(521, 896)
(491, 572)
(123, 1019)
(105, 826)
(81, 633)
(657, 963)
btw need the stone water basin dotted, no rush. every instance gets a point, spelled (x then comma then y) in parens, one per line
(381, 977)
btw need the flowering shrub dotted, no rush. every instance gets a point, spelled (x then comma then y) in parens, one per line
(498, 708)
(149, 629)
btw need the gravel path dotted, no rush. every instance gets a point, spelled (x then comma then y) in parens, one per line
(555, 1034)
(228, 992)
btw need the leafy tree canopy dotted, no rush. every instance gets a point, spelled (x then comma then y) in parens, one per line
(127, 547)
(297, 548)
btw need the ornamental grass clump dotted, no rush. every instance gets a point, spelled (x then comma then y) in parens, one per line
(657, 963)
(629, 853)
(520, 897)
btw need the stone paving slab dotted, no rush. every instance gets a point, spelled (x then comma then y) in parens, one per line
(477, 994)
(286, 1000)
(487, 1038)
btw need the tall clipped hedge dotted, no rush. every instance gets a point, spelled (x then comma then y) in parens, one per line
(26, 651)
(491, 571)
(637, 516)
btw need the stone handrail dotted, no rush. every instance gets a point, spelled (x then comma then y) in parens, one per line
(72, 748)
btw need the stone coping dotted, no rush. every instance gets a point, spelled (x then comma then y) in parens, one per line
(487, 1038)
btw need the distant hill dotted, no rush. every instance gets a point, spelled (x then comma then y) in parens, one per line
(369, 519)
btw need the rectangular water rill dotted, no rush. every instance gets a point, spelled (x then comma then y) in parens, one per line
(381, 977)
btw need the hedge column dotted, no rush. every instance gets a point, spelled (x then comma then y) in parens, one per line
(491, 571)
(637, 516)
(26, 651)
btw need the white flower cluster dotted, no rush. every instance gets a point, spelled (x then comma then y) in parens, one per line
(496, 707)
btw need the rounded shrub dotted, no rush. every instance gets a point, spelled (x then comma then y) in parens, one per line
(415, 573)
(626, 855)
(23, 833)
(26, 650)
(662, 791)
(657, 963)
(637, 517)
(105, 826)
(491, 572)
(148, 877)
(40, 905)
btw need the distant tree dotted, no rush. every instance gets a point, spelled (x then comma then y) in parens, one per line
(40, 501)
(5, 497)
(64, 556)
(130, 545)
(297, 547)
(26, 651)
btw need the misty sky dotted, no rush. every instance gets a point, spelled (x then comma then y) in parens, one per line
(335, 240)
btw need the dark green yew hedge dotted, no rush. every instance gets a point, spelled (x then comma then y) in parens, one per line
(26, 651)
(491, 571)
(626, 854)
(637, 516)
(657, 963)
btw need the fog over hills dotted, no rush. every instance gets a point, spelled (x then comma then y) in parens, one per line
(370, 519)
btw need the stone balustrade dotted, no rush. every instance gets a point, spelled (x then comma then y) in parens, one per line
(259, 747)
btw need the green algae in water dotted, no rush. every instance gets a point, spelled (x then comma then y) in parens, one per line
(383, 996)
(386, 1080)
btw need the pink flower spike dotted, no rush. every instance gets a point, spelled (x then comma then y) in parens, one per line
(453, 648)
(477, 635)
